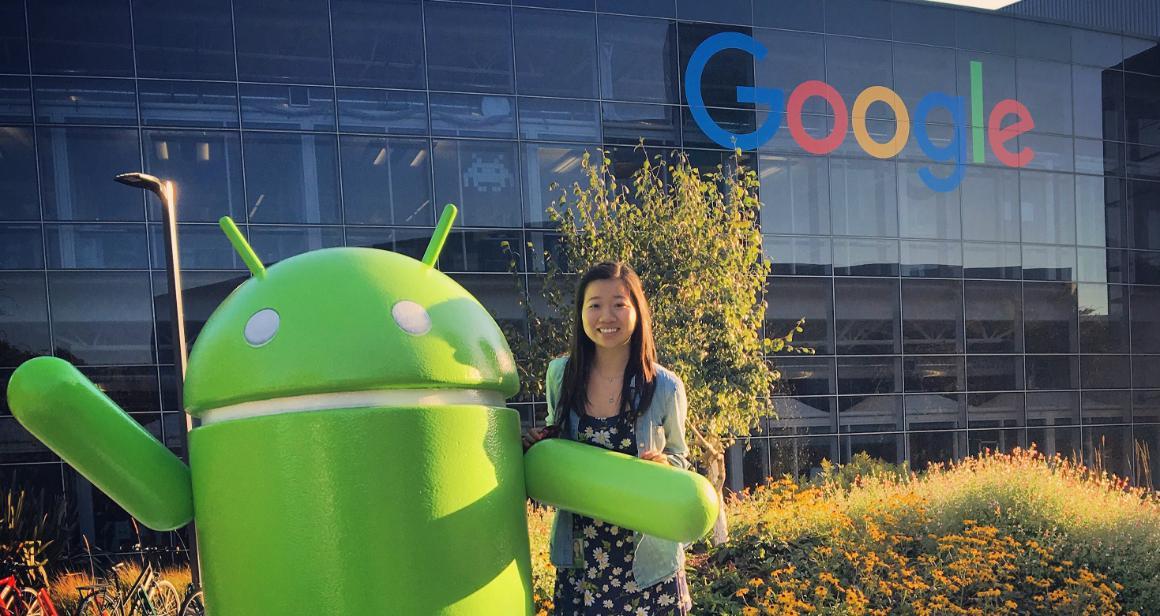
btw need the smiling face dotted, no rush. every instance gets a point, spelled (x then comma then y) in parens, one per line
(347, 327)
(608, 313)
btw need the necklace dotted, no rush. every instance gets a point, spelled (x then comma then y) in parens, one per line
(612, 396)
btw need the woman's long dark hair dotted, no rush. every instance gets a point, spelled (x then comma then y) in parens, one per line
(640, 372)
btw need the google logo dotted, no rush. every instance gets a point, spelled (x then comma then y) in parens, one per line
(997, 136)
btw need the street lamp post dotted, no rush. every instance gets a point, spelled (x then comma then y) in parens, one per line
(165, 192)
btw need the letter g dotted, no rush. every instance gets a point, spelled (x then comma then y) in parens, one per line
(768, 96)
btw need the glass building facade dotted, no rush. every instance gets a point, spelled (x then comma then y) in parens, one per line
(1021, 306)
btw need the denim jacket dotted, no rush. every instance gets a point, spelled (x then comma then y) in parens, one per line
(660, 427)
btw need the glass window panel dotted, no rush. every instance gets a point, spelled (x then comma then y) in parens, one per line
(1049, 263)
(1106, 407)
(920, 70)
(1109, 448)
(992, 261)
(134, 388)
(549, 171)
(479, 251)
(804, 376)
(1048, 207)
(205, 168)
(291, 178)
(482, 179)
(793, 58)
(886, 447)
(995, 441)
(865, 257)
(1046, 88)
(13, 39)
(394, 112)
(473, 115)
(867, 317)
(23, 318)
(1045, 41)
(916, 23)
(790, 299)
(15, 99)
(1050, 408)
(1103, 318)
(726, 11)
(1098, 97)
(188, 103)
(863, 197)
(409, 242)
(1052, 372)
(782, 142)
(932, 316)
(869, 375)
(275, 243)
(638, 59)
(924, 212)
(754, 455)
(994, 316)
(287, 107)
(797, 255)
(1095, 48)
(928, 448)
(18, 174)
(852, 65)
(96, 246)
(1106, 371)
(802, 416)
(796, 193)
(736, 121)
(469, 48)
(984, 32)
(801, 458)
(283, 42)
(184, 39)
(1142, 161)
(1145, 267)
(21, 247)
(1146, 439)
(1142, 108)
(81, 37)
(936, 411)
(559, 120)
(869, 413)
(994, 372)
(1050, 316)
(1144, 205)
(999, 83)
(76, 170)
(378, 44)
(994, 410)
(1141, 55)
(922, 259)
(17, 444)
(629, 123)
(934, 373)
(66, 100)
(1052, 152)
(1098, 157)
(858, 17)
(202, 246)
(729, 69)
(1146, 373)
(1144, 314)
(494, 291)
(102, 317)
(569, 70)
(991, 209)
(386, 181)
(1099, 265)
(574, 5)
(789, 14)
(1097, 211)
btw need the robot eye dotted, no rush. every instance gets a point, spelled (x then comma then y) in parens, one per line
(261, 327)
(411, 317)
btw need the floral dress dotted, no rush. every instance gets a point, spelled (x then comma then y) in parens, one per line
(605, 585)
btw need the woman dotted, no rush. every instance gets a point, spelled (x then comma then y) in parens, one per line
(610, 392)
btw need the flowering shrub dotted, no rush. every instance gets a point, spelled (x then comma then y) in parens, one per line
(995, 534)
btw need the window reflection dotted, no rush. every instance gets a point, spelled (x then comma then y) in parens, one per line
(865, 257)
(1050, 318)
(934, 373)
(203, 247)
(793, 58)
(885, 447)
(469, 48)
(394, 112)
(791, 299)
(869, 375)
(77, 37)
(801, 458)
(1103, 318)
(287, 42)
(378, 43)
(935, 411)
(188, 40)
(23, 318)
(204, 166)
(732, 67)
(291, 178)
(638, 59)
(1046, 88)
(386, 181)
(76, 165)
(863, 197)
(21, 246)
(479, 251)
(188, 103)
(990, 204)
(18, 174)
(795, 192)
(1106, 372)
(473, 115)
(103, 318)
(276, 243)
(869, 413)
(923, 212)
(932, 316)
(867, 316)
(481, 177)
(569, 70)
(1105, 407)
(802, 415)
(287, 107)
(924, 259)
(804, 376)
(798, 255)
(559, 120)
(96, 246)
(15, 100)
(927, 448)
(629, 123)
(546, 165)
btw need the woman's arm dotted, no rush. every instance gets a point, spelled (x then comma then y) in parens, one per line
(676, 448)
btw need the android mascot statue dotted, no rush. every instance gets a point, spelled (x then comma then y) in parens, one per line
(354, 454)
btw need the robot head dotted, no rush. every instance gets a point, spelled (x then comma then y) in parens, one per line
(346, 327)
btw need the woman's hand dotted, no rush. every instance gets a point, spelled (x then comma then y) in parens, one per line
(655, 456)
(535, 435)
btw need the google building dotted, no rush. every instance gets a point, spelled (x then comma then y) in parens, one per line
(963, 202)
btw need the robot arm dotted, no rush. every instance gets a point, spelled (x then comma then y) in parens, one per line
(66, 411)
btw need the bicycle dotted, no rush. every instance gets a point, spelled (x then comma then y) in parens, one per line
(194, 604)
(16, 601)
(149, 595)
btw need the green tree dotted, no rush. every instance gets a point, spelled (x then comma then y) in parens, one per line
(693, 238)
